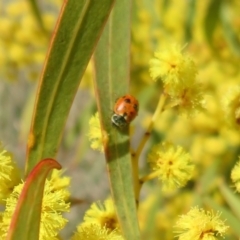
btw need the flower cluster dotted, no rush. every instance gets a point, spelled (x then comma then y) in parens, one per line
(9, 174)
(198, 224)
(231, 106)
(175, 69)
(171, 164)
(94, 231)
(178, 73)
(100, 222)
(23, 43)
(54, 202)
(95, 134)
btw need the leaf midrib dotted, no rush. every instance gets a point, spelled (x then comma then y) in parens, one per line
(61, 74)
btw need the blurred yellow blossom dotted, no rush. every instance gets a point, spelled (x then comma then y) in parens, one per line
(53, 205)
(235, 176)
(215, 145)
(91, 231)
(231, 104)
(103, 214)
(23, 41)
(198, 224)
(58, 180)
(163, 215)
(174, 19)
(171, 164)
(178, 73)
(190, 100)
(99, 221)
(9, 174)
(95, 134)
(175, 69)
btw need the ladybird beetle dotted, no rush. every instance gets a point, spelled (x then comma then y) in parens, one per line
(125, 110)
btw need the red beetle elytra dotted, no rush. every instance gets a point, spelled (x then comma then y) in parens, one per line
(125, 110)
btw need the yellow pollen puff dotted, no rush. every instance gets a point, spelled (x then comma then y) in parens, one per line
(6, 28)
(94, 231)
(17, 53)
(53, 205)
(100, 222)
(172, 165)
(198, 224)
(9, 174)
(215, 145)
(231, 106)
(95, 134)
(173, 67)
(16, 8)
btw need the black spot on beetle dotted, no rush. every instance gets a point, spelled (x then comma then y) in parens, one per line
(127, 100)
(135, 106)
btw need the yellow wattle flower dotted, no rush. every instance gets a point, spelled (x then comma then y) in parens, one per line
(171, 164)
(102, 214)
(93, 231)
(53, 205)
(100, 222)
(9, 174)
(173, 67)
(198, 224)
(95, 134)
(178, 73)
(22, 41)
(231, 106)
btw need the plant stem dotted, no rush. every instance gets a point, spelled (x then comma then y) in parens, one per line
(135, 156)
(147, 134)
(148, 177)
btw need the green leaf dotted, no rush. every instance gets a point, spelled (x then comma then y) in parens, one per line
(112, 64)
(229, 33)
(211, 19)
(231, 220)
(149, 228)
(75, 135)
(191, 9)
(208, 179)
(74, 39)
(25, 222)
(231, 198)
(37, 13)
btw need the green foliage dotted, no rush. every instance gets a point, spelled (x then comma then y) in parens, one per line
(25, 221)
(75, 36)
(112, 81)
(121, 37)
